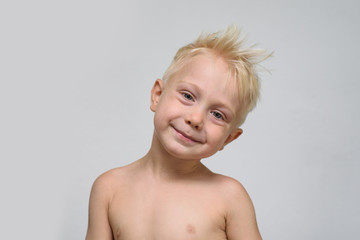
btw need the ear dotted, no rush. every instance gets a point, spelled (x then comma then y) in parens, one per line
(155, 94)
(233, 135)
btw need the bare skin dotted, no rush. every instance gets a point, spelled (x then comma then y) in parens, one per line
(169, 193)
(140, 202)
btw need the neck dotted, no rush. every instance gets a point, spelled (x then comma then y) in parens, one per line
(164, 165)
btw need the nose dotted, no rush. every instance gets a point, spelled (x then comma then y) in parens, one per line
(195, 119)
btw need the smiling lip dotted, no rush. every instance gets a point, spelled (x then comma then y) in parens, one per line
(185, 136)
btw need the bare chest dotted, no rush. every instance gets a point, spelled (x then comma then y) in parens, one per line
(174, 212)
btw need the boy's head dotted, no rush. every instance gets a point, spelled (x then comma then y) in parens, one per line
(205, 95)
(241, 64)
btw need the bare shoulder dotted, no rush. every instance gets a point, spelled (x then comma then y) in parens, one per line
(232, 189)
(102, 192)
(112, 182)
(112, 174)
(240, 213)
(108, 180)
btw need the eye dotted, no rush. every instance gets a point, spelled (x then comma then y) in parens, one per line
(217, 115)
(188, 96)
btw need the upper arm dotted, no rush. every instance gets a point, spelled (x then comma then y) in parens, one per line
(240, 218)
(98, 225)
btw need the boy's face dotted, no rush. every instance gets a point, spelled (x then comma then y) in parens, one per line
(196, 110)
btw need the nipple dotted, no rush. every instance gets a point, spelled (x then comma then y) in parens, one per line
(190, 229)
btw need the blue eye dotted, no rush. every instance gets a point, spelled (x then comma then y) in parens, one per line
(217, 115)
(188, 96)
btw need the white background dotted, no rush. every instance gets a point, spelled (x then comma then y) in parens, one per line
(74, 97)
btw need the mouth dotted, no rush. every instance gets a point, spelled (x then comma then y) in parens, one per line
(185, 137)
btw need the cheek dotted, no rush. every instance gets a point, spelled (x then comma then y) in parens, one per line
(163, 115)
(217, 136)
(169, 107)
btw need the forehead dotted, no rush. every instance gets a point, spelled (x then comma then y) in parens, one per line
(209, 71)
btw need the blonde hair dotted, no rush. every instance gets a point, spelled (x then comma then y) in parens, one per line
(241, 61)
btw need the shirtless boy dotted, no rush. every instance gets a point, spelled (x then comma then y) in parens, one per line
(169, 194)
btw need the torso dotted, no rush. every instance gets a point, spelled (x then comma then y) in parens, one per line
(145, 208)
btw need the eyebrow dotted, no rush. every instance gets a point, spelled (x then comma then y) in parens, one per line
(192, 84)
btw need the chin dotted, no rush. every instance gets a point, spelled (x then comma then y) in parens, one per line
(186, 154)
(181, 153)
